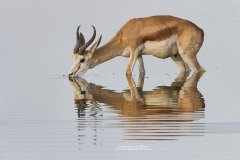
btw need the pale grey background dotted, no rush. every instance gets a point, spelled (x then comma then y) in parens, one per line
(37, 114)
(34, 33)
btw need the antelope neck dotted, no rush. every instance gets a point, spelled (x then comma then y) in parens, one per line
(105, 53)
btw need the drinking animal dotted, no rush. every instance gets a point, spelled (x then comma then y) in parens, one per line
(159, 36)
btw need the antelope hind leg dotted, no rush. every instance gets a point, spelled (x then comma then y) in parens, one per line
(180, 63)
(192, 61)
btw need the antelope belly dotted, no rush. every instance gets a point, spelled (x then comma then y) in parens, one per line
(161, 49)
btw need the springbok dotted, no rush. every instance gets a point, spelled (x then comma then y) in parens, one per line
(159, 36)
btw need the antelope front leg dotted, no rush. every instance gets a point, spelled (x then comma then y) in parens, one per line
(132, 61)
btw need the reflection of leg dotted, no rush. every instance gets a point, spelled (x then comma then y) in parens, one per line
(141, 80)
(193, 80)
(140, 64)
(180, 79)
(130, 80)
(180, 63)
(133, 89)
(140, 83)
(190, 99)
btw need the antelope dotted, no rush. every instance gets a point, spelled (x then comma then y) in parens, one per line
(159, 36)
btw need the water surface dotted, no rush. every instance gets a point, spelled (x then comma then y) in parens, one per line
(104, 114)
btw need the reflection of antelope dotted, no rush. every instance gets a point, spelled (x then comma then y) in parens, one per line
(159, 36)
(183, 96)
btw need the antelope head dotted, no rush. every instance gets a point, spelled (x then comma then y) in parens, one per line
(82, 56)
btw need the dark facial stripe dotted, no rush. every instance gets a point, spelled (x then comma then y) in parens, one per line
(77, 69)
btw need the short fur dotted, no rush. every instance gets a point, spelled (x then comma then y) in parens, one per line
(160, 36)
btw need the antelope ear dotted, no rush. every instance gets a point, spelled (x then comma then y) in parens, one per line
(95, 45)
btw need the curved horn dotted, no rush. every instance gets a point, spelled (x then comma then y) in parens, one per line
(83, 48)
(82, 39)
(76, 48)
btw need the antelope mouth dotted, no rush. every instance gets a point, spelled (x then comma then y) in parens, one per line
(73, 74)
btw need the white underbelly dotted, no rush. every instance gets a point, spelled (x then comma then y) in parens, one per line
(161, 49)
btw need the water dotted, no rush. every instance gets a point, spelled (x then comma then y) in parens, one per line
(104, 114)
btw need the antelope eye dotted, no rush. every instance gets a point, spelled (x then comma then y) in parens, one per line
(82, 60)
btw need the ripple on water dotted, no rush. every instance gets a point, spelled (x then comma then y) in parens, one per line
(164, 113)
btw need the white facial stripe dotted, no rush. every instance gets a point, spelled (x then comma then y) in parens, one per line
(74, 67)
(80, 57)
(83, 69)
(77, 69)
